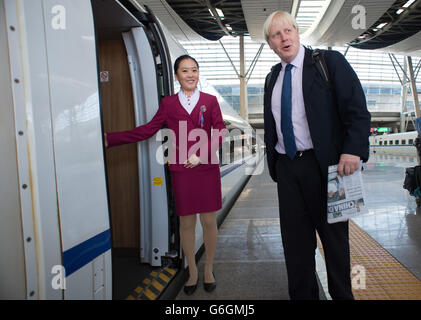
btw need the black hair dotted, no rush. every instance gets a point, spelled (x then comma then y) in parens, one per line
(181, 58)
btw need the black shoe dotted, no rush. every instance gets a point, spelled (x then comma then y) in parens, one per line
(209, 287)
(189, 290)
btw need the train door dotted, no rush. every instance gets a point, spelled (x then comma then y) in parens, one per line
(133, 77)
(151, 172)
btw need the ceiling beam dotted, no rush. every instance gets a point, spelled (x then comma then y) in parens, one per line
(217, 18)
(295, 7)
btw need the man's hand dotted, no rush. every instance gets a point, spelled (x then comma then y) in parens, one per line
(348, 164)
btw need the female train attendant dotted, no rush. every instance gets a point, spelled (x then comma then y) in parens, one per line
(195, 179)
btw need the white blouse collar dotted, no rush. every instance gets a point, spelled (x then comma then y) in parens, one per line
(189, 102)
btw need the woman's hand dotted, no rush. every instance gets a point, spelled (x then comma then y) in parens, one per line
(192, 161)
(105, 140)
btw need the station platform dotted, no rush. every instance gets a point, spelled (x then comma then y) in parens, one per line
(385, 243)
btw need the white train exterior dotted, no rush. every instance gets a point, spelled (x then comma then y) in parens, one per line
(395, 143)
(57, 225)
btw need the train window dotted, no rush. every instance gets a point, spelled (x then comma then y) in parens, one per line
(237, 145)
(385, 143)
(381, 142)
(220, 155)
(390, 141)
(411, 141)
(403, 142)
(396, 141)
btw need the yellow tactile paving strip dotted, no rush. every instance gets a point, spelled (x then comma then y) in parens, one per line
(385, 278)
(153, 285)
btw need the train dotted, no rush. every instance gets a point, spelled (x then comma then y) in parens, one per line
(71, 209)
(402, 143)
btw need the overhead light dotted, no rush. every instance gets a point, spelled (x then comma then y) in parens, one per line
(399, 11)
(228, 27)
(220, 13)
(381, 25)
(408, 3)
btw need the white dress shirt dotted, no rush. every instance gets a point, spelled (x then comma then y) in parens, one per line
(189, 102)
(299, 117)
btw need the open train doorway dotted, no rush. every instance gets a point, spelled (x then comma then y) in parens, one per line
(133, 77)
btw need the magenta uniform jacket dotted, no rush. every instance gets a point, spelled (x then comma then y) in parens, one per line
(197, 189)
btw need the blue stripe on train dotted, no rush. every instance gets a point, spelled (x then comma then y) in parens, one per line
(80, 255)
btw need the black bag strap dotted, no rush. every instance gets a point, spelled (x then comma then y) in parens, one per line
(318, 57)
(319, 60)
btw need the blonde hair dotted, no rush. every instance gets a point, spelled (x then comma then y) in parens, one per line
(279, 16)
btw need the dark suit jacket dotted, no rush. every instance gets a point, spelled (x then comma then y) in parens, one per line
(338, 118)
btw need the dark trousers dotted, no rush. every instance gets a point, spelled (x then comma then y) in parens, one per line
(302, 210)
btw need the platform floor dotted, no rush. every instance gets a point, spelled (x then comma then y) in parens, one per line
(386, 242)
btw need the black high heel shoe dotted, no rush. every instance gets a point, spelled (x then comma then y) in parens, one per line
(209, 287)
(189, 290)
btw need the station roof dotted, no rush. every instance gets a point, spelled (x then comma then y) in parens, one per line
(390, 25)
(394, 26)
(212, 19)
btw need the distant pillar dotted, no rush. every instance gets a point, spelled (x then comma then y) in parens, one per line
(243, 83)
(413, 87)
(414, 96)
(404, 93)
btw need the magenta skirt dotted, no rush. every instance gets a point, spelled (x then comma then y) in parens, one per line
(197, 191)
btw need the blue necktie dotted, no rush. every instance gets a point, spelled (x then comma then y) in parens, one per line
(286, 117)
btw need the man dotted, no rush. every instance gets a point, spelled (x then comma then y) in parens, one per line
(309, 126)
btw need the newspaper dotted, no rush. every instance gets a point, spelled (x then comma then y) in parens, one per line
(345, 195)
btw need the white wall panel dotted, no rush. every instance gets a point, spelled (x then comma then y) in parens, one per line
(12, 263)
(76, 122)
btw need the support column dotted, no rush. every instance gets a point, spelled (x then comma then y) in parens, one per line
(413, 87)
(404, 92)
(416, 102)
(243, 83)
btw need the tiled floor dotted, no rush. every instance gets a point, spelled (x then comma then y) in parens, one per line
(393, 220)
(375, 273)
